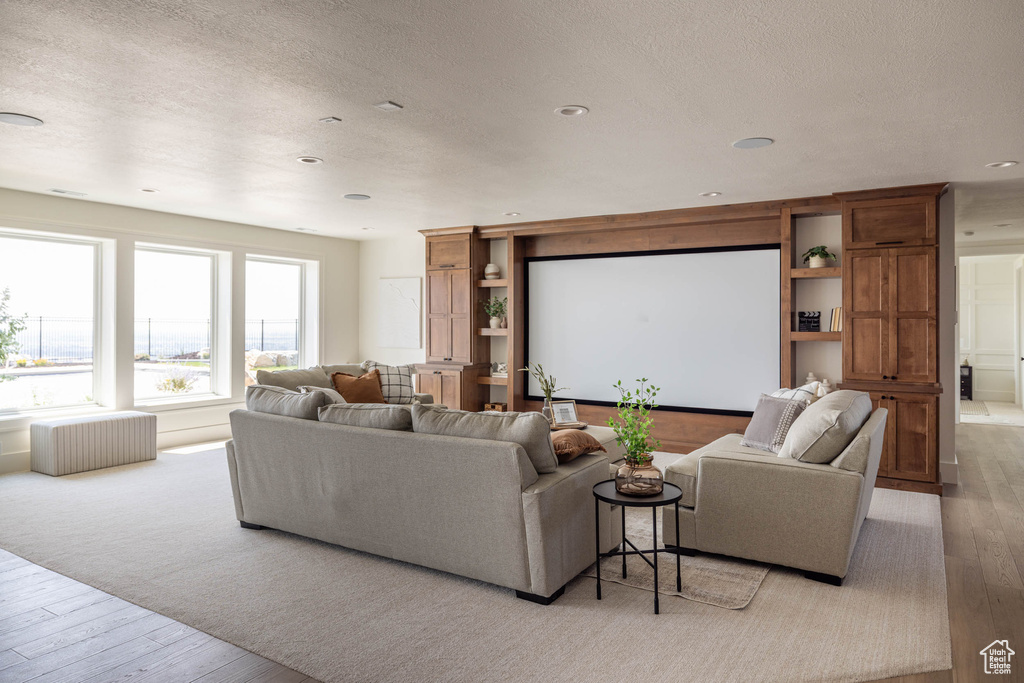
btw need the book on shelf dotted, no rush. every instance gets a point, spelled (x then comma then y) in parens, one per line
(837, 320)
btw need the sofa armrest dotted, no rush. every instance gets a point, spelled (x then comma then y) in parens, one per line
(778, 510)
(559, 513)
(424, 398)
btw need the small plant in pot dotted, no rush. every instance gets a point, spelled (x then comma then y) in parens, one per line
(638, 477)
(547, 386)
(818, 257)
(496, 309)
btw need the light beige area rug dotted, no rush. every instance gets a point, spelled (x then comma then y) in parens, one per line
(163, 534)
(711, 579)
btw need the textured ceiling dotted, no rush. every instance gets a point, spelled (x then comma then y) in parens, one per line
(211, 102)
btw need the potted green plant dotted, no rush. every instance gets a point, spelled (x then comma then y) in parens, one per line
(818, 256)
(496, 309)
(638, 477)
(547, 386)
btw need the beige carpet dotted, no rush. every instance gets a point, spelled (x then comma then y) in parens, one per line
(713, 580)
(163, 534)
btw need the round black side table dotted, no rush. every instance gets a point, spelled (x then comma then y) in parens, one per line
(670, 494)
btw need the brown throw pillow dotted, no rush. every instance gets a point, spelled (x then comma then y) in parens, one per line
(572, 443)
(363, 389)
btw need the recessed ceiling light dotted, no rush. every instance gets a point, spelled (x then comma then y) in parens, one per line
(388, 106)
(310, 160)
(1001, 164)
(149, 189)
(1002, 225)
(752, 143)
(369, 228)
(357, 197)
(511, 213)
(710, 194)
(572, 110)
(305, 230)
(968, 233)
(69, 193)
(19, 119)
(330, 119)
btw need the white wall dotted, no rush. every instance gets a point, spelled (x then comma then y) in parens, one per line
(949, 373)
(403, 256)
(988, 325)
(201, 420)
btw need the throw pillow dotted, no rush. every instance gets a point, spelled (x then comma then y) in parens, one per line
(331, 396)
(374, 416)
(280, 401)
(532, 431)
(293, 379)
(363, 389)
(395, 381)
(827, 426)
(808, 393)
(771, 422)
(569, 444)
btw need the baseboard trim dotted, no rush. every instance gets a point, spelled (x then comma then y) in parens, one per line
(950, 472)
(15, 462)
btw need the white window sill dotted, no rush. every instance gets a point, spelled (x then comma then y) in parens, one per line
(22, 419)
(158, 405)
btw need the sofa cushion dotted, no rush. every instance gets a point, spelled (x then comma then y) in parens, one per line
(808, 393)
(293, 379)
(395, 381)
(281, 401)
(572, 443)
(532, 431)
(373, 415)
(855, 456)
(348, 368)
(683, 471)
(827, 426)
(362, 389)
(331, 396)
(771, 422)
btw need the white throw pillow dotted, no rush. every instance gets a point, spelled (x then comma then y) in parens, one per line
(826, 427)
(807, 393)
(395, 381)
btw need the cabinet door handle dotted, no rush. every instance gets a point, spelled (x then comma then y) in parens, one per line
(885, 376)
(893, 377)
(447, 266)
(437, 372)
(893, 242)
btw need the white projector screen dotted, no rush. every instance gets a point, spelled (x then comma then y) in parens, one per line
(701, 325)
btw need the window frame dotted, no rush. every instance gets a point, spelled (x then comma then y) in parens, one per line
(309, 304)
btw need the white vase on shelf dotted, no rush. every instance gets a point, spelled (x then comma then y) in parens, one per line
(818, 262)
(495, 322)
(492, 272)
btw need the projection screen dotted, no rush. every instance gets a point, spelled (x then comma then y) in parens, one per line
(701, 324)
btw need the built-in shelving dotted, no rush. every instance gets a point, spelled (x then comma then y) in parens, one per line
(802, 273)
(816, 336)
(492, 284)
(492, 381)
(491, 332)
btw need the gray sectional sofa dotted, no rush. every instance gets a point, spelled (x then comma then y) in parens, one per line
(486, 509)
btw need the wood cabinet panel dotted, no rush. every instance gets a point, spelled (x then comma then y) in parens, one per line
(904, 221)
(437, 292)
(912, 350)
(913, 315)
(913, 454)
(461, 336)
(449, 251)
(868, 277)
(866, 353)
(460, 287)
(438, 337)
(865, 313)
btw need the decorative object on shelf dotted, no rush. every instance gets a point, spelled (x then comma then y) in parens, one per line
(638, 477)
(809, 321)
(563, 413)
(496, 407)
(547, 385)
(811, 377)
(496, 309)
(492, 272)
(966, 362)
(499, 369)
(818, 257)
(825, 387)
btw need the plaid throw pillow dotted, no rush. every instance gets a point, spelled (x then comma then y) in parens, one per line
(808, 393)
(395, 381)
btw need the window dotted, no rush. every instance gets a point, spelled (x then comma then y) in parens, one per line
(48, 334)
(274, 315)
(175, 353)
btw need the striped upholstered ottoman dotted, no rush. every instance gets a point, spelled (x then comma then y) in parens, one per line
(79, 444)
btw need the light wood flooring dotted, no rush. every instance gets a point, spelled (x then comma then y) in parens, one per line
(56, 629)
(53, 628)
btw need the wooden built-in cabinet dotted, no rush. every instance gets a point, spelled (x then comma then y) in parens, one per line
(891, 313)
(891, 316)
(450, 315)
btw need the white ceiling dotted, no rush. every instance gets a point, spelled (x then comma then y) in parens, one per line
(211, 102)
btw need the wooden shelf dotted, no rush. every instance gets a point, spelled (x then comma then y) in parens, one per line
(493, 284)
(488, 332)
(492, 381)
(801, 273)
(816, 336)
